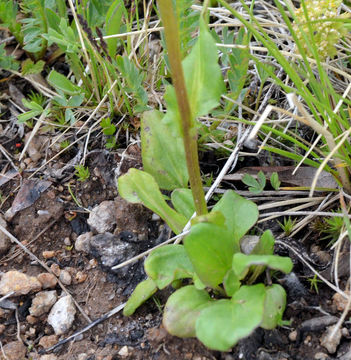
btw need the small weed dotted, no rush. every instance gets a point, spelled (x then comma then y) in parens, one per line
(82, 172)
(314, 283)
(64, 144)
(255, 186)
(287, 225)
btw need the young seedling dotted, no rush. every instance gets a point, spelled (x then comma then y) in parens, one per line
(221, 303)
(82, 172)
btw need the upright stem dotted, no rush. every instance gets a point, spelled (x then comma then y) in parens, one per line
(188, 131)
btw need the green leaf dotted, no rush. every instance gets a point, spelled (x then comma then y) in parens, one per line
(275, 181)
(210, 249)
(240, 214)
(138, 186)
(255, 186)
(221, 325)
(29, 67)
(242, 263)
(265, 246)
(274, 306)
(203, 75)
(214, 217)
(113, 25)
(168, 263)
(60, 82)
(182, 310)
(162, 152)
(107, 127)
(231, 283)
(141, 293)
(183, 202)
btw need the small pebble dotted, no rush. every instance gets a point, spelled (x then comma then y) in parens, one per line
(329, 343)
(18, 282)
(2, 328)
(48, 357)
(67, 241)
(65, 277)
(293, 335)
(31, 319)
(321, 356)
(80, 277)
(55, 269)
(47, 280)
(124, 351)
(48, 254)
(48, 341)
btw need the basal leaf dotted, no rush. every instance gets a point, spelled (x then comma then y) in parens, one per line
(138, 186)
(231, 283)
(203, 75)
(183, 202)
(242, 263)
(162, 152)
(182, 310)
(210, 249)
(168, 263)
(274, 306)
(240, 214)
(141, 293)
(222, 324)
(214, 217)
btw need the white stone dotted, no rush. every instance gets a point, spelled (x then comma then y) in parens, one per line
(62, 314)
(43, 302)
(103, 217)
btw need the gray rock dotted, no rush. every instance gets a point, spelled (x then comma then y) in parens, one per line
(18, 282)
(103, 217)
(43, 302)
(48, 357)
(5, 242)
(62, 314)
(111, 250)
(65, 277)
(83, 242)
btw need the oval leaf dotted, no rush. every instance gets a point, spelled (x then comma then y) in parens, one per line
(168, 263)
(240, 214)
(242, 263)
(141, 293)
(221, 325)
(60, 82)
(162, 152)
(210, 250)
(137, 186)
(183, 202)
(274, 306)
(182, 310)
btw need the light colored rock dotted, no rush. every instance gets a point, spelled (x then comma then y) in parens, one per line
(55, 269)
(331, 343)
(321, 356)
(48, 281)
(103, 217)
(80, 277)
(82, 356)
(82, 243)
(339, 301)
(48, 341)
(65, 277)
(5, 242)
(62, 314)
(48, 357)
(2, 328)
(124, 352)
(293, 335)
(48, 254)
(14, 350)
(18, 282)
(43, 302)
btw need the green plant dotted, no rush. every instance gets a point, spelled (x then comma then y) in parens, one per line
(82, 172)
(221, 304)
(287, 225)
(314, 283)
(257, 186)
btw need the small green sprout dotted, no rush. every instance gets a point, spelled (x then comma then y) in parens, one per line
(255, 186)
(64, 144)
(314, 283)
(287, 225)
(82, 172)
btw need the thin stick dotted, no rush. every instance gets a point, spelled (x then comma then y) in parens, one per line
(85, 329)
